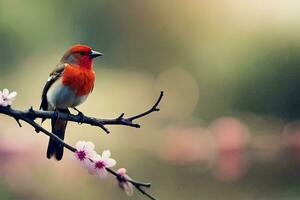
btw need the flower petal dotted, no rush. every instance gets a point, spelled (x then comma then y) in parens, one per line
(90, 154)
(4, 103)
(86, 163)
(12, 96)
(110, 162)
(5, 93)
(128, 188)
(125, 185)
(102, 173)
(92, 169)
(89, 146)
(96, 157)
(80, 145)
(122, 171)
(106, 154)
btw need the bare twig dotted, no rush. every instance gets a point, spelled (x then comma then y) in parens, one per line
(129, 120)
(29, 116)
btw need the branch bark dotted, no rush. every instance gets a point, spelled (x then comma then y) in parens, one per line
(32, 114)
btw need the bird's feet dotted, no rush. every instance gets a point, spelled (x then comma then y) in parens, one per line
(80, 115)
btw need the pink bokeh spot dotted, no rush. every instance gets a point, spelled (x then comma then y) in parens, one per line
(231, 138)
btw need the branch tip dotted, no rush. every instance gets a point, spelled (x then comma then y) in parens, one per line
(121, 116)
(18, 121)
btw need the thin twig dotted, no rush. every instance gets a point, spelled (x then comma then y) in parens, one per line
(129, 120)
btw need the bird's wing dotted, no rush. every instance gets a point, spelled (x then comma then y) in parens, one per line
(59, 69)
(54, 75)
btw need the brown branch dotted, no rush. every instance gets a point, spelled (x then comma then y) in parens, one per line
(31, 115)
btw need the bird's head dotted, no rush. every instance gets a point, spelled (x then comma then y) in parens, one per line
(81, 55)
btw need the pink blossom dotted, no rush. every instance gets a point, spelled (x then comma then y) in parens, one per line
(7, 98)
(100, 163)
(85, 152)
(123, 183)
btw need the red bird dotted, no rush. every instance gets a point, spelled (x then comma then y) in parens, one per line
(67, 87)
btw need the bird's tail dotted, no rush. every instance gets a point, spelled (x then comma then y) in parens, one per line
(58, 128)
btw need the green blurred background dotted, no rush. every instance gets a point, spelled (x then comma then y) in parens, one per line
(227, 128)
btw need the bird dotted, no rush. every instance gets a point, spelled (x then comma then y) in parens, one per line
(68, 86)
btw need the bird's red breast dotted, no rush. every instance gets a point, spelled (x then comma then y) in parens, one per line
(80, 79)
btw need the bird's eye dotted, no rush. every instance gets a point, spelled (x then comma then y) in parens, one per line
(81, 53)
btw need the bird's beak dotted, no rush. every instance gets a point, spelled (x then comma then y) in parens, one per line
(95, 54)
